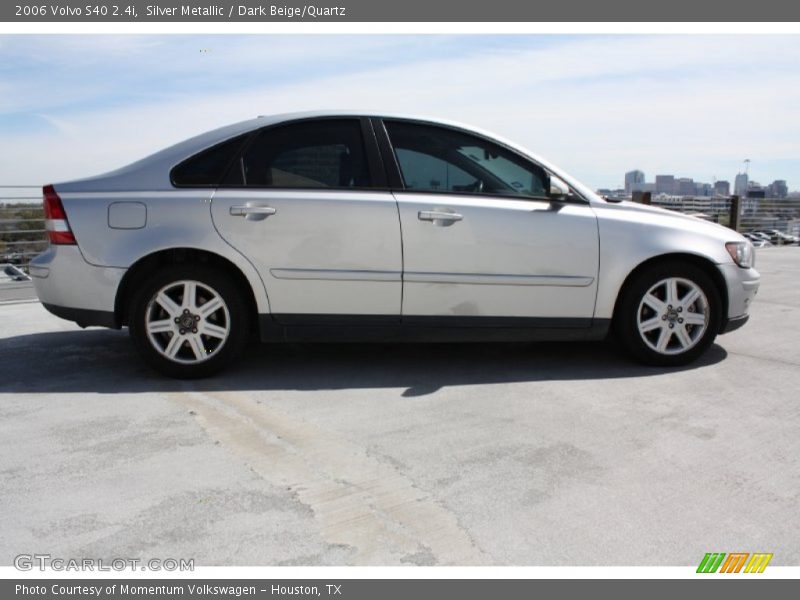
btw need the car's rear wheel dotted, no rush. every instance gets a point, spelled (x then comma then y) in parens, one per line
(189, 321)
(669, 314)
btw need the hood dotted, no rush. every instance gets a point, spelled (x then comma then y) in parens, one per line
(656, 214)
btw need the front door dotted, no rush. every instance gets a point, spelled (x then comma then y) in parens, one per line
(483, 243)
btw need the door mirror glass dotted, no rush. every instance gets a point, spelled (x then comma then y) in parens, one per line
(558, 189)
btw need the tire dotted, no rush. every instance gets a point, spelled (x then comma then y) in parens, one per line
(189, 338)
(659, 330)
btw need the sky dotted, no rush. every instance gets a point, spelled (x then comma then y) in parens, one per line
(597, 106)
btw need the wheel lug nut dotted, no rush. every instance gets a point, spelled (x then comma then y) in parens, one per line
(186, 311)
(177, 320)
(680, 309)
(680, 320)
(183, 331)
(671, 325)
(197, 317)
(194, 330)
(663, 318)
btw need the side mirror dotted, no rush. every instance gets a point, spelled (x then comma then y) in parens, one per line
(558, 189)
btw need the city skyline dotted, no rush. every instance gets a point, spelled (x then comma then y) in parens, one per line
(670, 184)
(76, 106)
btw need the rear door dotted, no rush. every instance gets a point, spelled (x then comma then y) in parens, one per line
(483, 243)
(302, 204)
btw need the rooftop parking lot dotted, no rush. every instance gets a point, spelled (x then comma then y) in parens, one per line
(510, 454)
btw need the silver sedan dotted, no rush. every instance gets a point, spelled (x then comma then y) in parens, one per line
(345, 226)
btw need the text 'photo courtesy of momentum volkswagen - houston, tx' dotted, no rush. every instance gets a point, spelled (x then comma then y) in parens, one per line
(354, 227)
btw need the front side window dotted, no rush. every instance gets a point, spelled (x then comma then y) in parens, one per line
(312, 154)
(437, 159)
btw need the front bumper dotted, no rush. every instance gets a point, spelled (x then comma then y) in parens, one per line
(734, 324)
(71, 288)
(742, 287)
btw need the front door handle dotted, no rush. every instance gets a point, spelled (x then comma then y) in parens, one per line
(440, 217)
(252, 213)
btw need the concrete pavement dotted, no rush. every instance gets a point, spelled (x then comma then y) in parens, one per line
(16, 291)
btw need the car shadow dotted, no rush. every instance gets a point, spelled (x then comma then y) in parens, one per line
(105, 361)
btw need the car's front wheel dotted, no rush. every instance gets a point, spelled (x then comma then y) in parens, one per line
(669, 314)
(189, 321)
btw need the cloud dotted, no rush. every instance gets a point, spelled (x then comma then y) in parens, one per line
(598, 106)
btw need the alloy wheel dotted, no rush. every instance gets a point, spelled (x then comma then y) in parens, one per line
(673, 315)
(187, 321)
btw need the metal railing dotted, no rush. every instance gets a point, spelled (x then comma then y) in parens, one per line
(22, 232)
(768, 214)
(744, 215)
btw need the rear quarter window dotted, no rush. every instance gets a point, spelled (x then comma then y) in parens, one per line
(208, 167)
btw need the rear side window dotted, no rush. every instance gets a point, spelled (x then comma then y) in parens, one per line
(209, 166)
(312, 154)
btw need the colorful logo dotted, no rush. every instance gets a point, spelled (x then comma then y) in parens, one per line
(733, 562)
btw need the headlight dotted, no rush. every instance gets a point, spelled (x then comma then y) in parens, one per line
(742, 253)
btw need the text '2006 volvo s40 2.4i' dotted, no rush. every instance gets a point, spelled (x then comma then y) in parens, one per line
(347, 226)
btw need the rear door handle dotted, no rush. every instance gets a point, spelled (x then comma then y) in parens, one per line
(252, 213)
(440, 215)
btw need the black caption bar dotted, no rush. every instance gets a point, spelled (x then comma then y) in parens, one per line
(400, 11)
(394, 589)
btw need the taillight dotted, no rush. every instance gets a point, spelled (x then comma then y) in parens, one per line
(55, 218)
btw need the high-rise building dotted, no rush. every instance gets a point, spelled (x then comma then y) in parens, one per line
(740, 185)
(703, 189)
(665, 184)
(722, 188)
(686, 186)
(634, 180)
(778, 189)
(756, 190)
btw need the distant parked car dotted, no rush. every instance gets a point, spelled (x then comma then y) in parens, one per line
(12, 273)
(762, 235)
(13, 258)
(765, 235)
(774, 236)
(350, 226)
(757, 240)
(780, 237)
